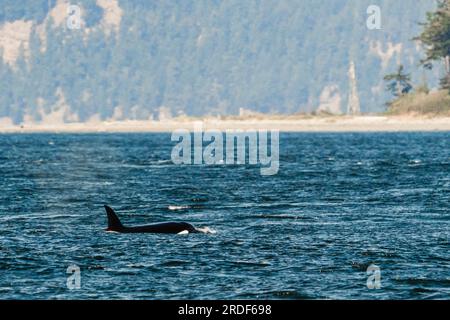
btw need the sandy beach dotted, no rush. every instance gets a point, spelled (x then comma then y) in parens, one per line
(287, 124)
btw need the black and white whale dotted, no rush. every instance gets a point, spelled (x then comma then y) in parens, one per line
(115, 225)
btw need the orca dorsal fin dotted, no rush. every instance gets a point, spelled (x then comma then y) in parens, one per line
(114, 223)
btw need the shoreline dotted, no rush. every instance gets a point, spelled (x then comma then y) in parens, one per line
(286, 124)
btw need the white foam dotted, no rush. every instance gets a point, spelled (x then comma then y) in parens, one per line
(206, 230)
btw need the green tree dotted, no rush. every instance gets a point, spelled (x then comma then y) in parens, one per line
(435, 37)
(399, 83)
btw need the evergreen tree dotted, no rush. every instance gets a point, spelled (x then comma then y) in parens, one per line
(436, 39)
(399, 82)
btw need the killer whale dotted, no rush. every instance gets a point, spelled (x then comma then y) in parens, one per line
(115, 225)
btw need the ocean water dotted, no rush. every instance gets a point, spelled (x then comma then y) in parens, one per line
(339, 204)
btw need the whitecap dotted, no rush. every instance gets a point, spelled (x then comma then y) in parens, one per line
(164, 162)
(178, 207)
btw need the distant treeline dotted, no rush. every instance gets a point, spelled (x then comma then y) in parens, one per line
(207, 57)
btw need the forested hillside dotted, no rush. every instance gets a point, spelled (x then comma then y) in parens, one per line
(140, 59)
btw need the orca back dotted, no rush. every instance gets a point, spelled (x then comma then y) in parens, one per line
(114, 224)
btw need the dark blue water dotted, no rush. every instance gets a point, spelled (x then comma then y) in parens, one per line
(340, 203)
